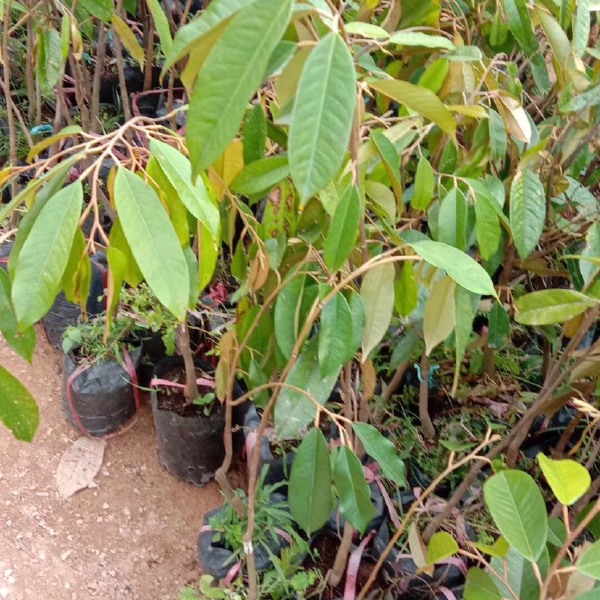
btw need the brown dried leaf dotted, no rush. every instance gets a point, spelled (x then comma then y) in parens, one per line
(79, 465)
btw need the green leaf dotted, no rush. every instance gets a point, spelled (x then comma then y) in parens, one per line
(424, 185)
(359, 318)
(439, 317)
(335, 336)
(487, 226)
(366, 30)
(22, 343)
(547, 307)
(518, 573)
(190, 36)
(162, 25)
(557, 532)
(498, 326)
(383, 452)
(291, 308)
(208, 255)
(255, 134)
(229, 76)
(406, 290)
(391, 162)
(424, 40)
(18, 410)
(342, 232)
(153, 241)
(465, 304)
(49, 60)
(527, 212)
(377, 293)
(518, 509)
(100, 9)
(480, 586)
(520, 25)
(352, 489)
(419, 99)
(45, 254)
(589, 563)
(311, 471)
(195, 196)
(322, 116)
(567, 479)
(260, 176)
(498, 137)
(293, 410)
(441, 546)
(452, 219)
(458, 265)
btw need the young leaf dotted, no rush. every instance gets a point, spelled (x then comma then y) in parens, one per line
(383, 451)
(518, 509)
(377, 293)
(424, 185)
(527, 211)
(322, 116)
(458, 265)
(195, 196)
(18, 410)
(568, 479)
(406, 290)
(45, 254)
(153, 241)
(547, 307)
(589, 563)
(441, 546)
(439, 318)
(230, 74)
(293, 410)
(343, 230)
(260, 176)
(452, 219)
(311, 471)
(480, 586)
(419, 99)
(335, 336)
(352, 489)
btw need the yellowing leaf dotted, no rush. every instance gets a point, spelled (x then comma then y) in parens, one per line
(568, 479)
(515, 117)
(129, 40)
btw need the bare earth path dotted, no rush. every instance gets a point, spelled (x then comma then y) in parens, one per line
(131, 537)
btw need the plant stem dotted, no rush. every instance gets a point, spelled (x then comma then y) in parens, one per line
(341, 558)
(183, 345)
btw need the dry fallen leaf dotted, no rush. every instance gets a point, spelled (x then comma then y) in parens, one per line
(79, 465)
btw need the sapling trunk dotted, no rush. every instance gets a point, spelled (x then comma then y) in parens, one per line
(183, 346)
(341, 558)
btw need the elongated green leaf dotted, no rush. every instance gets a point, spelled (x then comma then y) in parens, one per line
(359, 318)
(18, 410)
(255, 134)
(547, 307)
(343, 230)
(153, 241)
(498, 137)
(190, 35)
(424, 185)
(352, 489)
(419, 99)
(383, 451)
(498, 326)
(465, 304)
(335, 336)
(100, 9)
(568, 479)
(311, 471)
(589, 563)
(377, 293)
(162, 25)
(391, 162)
(322, 116)
(487, 226)
(480, 586)
(367, 30)
(452, 219)
(519, 575)
(406, 290)
(293, 410)
(293, 301)
(22, 343)
(261, 175)
(520, 25)
(458, 265)
(195, 196)
(439, 317)
(230, 75)
(527, 212)
(441, 546)
(424, 40)
(49, 60)
(45, 254)
(517, 507)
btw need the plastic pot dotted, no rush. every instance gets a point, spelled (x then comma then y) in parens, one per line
(190, 445)
(216, 560)
(99, 399)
